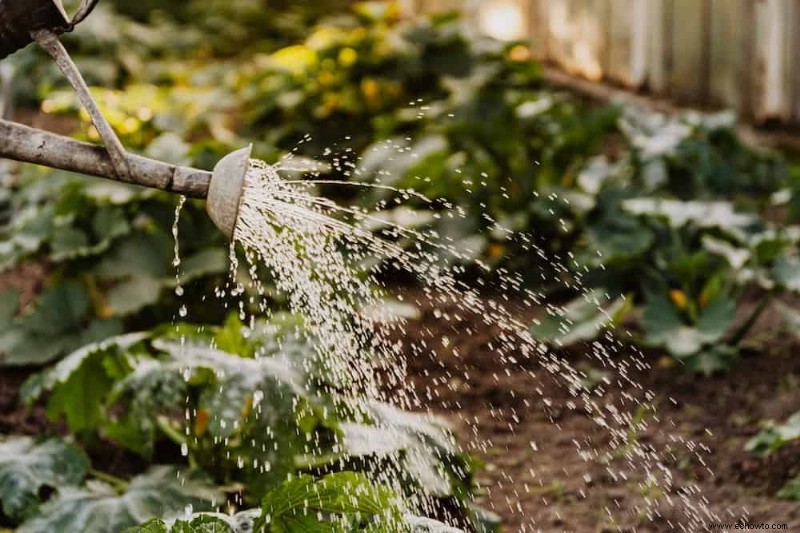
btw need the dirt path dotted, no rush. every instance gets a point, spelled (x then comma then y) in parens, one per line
(535, 478)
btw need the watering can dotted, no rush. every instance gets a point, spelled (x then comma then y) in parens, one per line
(23, 22)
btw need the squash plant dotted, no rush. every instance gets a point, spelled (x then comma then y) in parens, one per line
(249, 419)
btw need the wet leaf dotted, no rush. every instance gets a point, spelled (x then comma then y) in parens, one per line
(786, 273)
(774, 436)
(338, 500)
(422, 444)
(718, 214)
(27, 466)
(580, 320)
(161, 491)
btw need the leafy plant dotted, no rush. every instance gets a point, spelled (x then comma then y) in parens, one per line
(345, 502)
(775, 436)
(252, 419)
(109, 258)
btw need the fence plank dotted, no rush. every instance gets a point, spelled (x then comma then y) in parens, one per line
(659, 46)
(503, 19)
(771, 77)
(628, 22)
(688, 73)
(538, 25)
(731, 42)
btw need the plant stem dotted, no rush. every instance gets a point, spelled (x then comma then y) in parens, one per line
(175, 436)
(119, 484)
(170, 432)
(751, 320)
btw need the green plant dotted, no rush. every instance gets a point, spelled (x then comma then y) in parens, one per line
(774, 436)
(345, 502)
(247, 420)
(109, 252)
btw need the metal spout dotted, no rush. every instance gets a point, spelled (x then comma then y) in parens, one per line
(223, 188)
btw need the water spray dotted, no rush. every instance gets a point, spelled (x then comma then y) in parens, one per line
(23, 22)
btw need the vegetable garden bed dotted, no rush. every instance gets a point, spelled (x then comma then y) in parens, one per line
(553, 488)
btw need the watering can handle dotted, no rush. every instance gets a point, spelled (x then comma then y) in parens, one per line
(83, 11)
(51, 43)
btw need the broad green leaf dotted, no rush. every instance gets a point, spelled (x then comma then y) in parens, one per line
(59, 309)
(791, 490)
(715, 318)
(665, 327)
(774, 436)
(713, 359)
(161, 491)
(419, 444)
(791, 318)
(155, 525)
(80, 398)
(108, 224)
(62, 371)
(203, 523)
(786, 273)
(51, 326)
(141, 254)
(9, 305)
(204, 263)
(134, 294)
(259, 406)
(426, 525)
(337, 499)
(582, 319)
(27, 466)
(68, 243)
(272, 382)
(737, 257)
(701, 214)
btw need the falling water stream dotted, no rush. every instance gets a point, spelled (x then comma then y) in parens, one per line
(329, 263)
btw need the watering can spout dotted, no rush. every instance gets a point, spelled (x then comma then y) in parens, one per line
(222, 188)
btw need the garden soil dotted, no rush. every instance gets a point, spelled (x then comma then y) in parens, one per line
(535, 479)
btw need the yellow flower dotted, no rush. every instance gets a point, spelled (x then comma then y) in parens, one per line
(678, 298)
(201, 422)
(666, 362)
(703, 300)
(330, 103)
(348, 57)
(519, 53)
(295, 59)
(371, 89)
(326, 78)
(496, 250)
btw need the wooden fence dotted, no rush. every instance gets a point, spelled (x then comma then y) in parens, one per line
(740, 54)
